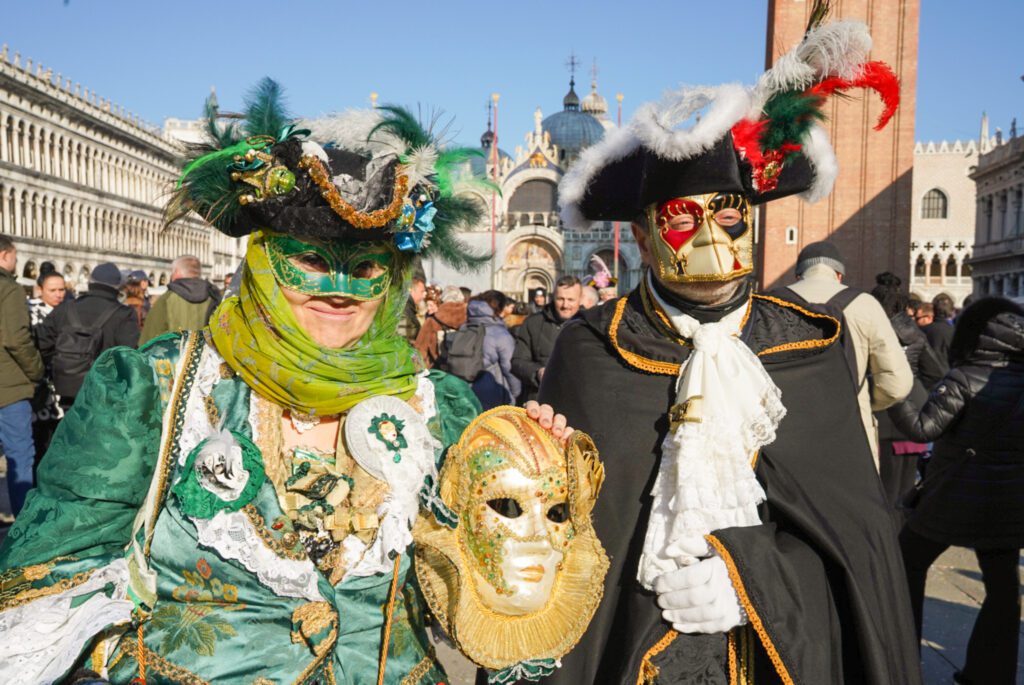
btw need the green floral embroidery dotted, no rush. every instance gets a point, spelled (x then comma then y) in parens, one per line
(194, 620)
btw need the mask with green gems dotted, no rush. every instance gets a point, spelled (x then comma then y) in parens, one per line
(514, 579)
(360, 270)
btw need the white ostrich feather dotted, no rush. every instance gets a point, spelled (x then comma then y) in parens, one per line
(420, 165)
(818, 150)
(656, 124)
(349, 130)
(834, 49)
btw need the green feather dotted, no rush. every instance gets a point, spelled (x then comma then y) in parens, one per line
(454, 214)
(790, 116)
(265, 113)
(219, 137)
(401, 123)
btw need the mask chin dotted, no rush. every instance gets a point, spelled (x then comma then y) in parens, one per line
(702, 238)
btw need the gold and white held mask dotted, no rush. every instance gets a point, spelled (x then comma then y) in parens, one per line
(519, 576)
(706, 237)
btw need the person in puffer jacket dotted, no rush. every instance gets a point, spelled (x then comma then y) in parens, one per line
(972, 492)
(898, 456)
(496, 385)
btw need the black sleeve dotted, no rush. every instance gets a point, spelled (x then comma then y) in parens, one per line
(930, 368)
(523, 364)
(944, 405)
(46, 334)
(127, 331)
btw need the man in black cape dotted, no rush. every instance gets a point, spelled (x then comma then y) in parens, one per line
(806, 584)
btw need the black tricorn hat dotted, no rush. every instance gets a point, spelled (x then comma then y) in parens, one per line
(764, 142)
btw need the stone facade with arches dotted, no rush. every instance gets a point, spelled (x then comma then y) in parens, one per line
(83, 182)
(530, 247)
(942, 219)
(998, 259)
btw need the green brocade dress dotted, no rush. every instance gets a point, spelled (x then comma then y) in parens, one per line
(106, 545)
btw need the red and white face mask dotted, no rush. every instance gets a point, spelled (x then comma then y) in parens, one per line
(706, 237)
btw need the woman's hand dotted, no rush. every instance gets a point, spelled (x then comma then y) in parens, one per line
(545, 415)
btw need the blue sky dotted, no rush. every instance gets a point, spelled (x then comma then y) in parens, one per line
(160, 59)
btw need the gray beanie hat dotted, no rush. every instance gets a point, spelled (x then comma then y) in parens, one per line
(822, 252)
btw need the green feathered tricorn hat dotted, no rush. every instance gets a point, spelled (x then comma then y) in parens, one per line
(374, 174)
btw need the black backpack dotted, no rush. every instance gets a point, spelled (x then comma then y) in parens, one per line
(76, 349)
(464, 351)
(834, 307)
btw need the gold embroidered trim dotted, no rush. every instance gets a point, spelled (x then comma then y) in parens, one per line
(158, 664)
(733, 670)
(755, 619)
(275, 545)
(648, 671)
(165, 463)
(422, 668)
(390, 617)
(801, 344)
(631, 358)
(375, 219)
(26, 596)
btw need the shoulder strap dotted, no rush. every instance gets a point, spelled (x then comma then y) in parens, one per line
(842, 299)
(106, 316)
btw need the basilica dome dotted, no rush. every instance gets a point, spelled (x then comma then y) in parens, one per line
(571, 129)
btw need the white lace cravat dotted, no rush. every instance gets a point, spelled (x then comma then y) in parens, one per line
(726, 409)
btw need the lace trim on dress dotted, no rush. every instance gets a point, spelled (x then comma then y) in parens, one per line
(233, 536)
(42, 640)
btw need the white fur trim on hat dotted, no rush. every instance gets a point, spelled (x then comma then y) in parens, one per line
(818, 150)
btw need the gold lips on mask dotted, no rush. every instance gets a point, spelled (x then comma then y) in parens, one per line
(702, 237)
(516, 578)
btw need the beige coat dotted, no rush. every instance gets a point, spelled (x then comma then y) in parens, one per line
(876, 347)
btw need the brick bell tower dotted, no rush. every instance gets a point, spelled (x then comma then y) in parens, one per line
(867, 215)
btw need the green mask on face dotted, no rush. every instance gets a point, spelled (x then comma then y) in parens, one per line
(360, 270)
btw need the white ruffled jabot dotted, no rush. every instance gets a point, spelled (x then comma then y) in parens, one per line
(727, 408)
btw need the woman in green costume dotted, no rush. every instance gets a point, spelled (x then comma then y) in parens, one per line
(235, 505)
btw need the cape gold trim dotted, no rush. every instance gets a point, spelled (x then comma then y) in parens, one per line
(421, 669)
(26, 596)
(755, 619)
(648, 672)
(631, 358)
(800, 344)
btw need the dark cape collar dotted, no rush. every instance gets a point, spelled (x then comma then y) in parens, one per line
(776, 330)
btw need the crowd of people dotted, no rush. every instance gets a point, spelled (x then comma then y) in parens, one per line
(704, 484)
(52, 336)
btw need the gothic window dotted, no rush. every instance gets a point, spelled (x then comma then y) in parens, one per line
(950, 267)
(935, 270)
(919, 267)
(965, 270)
(934, 205)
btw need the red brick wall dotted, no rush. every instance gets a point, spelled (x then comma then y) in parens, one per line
(868, 213)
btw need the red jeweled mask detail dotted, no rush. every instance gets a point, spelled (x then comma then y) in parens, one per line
(675, 228)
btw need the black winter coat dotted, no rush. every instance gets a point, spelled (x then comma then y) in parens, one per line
(973, 492)
(122, 328)
(927, 367)
(535, 339)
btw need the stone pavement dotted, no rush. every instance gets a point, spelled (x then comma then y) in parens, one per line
(954, 596)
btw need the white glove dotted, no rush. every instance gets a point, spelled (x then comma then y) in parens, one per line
(700, 598)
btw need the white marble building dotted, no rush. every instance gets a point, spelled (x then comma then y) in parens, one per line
(82, 181)
(942, 219)
(998, 261)
(530, 247)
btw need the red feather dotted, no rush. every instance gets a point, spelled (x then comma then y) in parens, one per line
(874, 75)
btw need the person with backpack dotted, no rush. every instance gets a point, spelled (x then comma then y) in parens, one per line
(76, 332)
(480, 352)
(881, 373)
(20, 370)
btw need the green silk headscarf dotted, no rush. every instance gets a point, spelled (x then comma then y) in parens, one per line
(258, 336)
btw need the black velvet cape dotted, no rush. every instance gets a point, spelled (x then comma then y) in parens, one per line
(822, 578)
